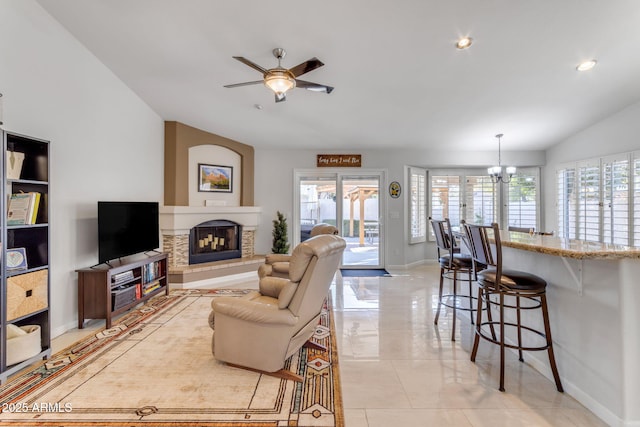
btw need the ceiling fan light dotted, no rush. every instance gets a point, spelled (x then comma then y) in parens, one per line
(586, 65)
(464, 42)
(279, 81)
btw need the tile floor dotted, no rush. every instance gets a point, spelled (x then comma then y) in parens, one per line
(398, 369)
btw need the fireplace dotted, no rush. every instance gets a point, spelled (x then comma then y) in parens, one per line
(176, 223)
(215, 241)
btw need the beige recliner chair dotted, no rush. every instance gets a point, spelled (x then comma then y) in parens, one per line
(277, 265)
(262, 329)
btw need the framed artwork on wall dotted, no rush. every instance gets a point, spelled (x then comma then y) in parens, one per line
(215, 178)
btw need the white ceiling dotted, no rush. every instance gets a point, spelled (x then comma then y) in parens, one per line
(399, 80)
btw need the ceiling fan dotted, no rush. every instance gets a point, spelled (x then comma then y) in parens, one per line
(280, 80)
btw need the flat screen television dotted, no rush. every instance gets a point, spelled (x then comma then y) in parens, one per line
(126, 228)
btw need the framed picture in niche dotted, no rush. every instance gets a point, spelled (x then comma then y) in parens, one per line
(215, 178)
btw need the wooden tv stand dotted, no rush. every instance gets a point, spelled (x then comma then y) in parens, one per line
(105, 291)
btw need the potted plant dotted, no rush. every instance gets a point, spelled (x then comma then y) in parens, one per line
(280, 237)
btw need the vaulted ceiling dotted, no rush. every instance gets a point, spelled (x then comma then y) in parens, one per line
(399, 80)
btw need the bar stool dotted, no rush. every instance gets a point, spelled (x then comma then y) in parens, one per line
(512, 283)
(451, 262)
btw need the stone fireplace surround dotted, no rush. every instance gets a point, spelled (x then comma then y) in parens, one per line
(175, 225)
(177, 221)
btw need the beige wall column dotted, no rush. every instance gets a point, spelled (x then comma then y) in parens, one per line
(178, 138)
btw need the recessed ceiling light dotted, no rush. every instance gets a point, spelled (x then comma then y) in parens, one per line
(586, 65)
(464, 42)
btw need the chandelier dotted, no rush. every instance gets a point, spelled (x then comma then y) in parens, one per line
(495, 172)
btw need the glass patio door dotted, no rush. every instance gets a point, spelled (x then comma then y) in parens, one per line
(352, 204)
(361, 221)
(318, 197)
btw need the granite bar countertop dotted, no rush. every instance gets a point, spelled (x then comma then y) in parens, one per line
(578, 249)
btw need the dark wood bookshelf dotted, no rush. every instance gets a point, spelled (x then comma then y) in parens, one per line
(24, 291)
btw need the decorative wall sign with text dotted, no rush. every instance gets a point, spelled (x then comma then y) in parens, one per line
(339, 160)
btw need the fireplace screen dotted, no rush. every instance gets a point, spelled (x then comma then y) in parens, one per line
(214, 241)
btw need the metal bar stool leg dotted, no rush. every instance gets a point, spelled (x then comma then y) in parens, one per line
(435, 321)
(455, 300)
(519, 327)
(476, 338)
(547, 331)
(470, 297)
(490, 316)
(501, 341)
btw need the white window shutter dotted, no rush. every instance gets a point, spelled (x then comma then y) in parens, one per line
(417, 205)
(522, 199)
(445, 198)
(566, 202)
(588, 226)
(480, 200)
(615, 200)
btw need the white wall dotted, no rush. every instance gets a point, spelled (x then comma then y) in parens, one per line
(618, 133)
(106, 144)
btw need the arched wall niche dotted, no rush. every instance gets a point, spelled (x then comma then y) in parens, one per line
(178, 139)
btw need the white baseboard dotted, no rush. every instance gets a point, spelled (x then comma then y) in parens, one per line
(64, 328)
(412, 264)
(569, 388)
(577, 393)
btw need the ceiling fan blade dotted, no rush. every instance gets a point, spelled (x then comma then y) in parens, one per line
(245, 83)
(305, 67)
(313, 86)
(281, 97)
(250, 64)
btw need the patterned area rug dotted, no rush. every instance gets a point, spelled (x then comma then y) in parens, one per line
(155, 368)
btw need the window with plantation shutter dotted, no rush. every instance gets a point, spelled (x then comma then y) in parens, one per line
(598, 200)
(471, 195)
(479, 200)
(445, 198)
(615, 200)
(417, 205)
(566, 202)
(588, 209)
(522, 203)
(636, 199)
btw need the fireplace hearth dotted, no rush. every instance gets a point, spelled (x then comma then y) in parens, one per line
(215, 240)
